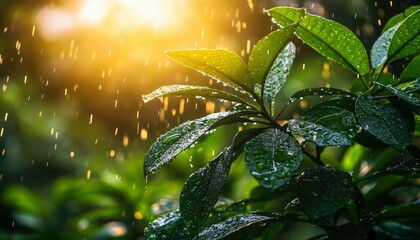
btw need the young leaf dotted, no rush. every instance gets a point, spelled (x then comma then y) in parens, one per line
(400, 41)
(323, 191)
(266, 51)
(222, 65)
(326, 126)
(327, 37)
(411, 71)
(383, 122)
(187, 91)
(202, 189)
(278, 74)
(234, 224)
(169, 226)
(179, 138)
(399, 17)
(272, 158)
(406, 96)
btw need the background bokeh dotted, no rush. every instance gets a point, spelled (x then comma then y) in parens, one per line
(74, 128)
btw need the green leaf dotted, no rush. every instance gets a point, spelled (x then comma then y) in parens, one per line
(323, 191)
(242, 137)
(234, 224)
(170, 226)
(343, 102)
(400, 17)
(402, 94)
(411, 71)
(170, 144)
(321, 91)
(405, 168)
(397, 231)
(278, 74)
(187, 91)
(403, 212)
(272, 158)
(219, 64)
(397, 42)
(329, 38)
(202, 189)
(383, 122)
(266, 51)
(268, 55)
(326, 126)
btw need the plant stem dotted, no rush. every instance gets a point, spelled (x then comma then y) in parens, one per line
(315, 159)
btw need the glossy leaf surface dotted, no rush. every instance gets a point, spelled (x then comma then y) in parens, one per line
(180, 138)
(187, 91)
(202, 189)
(383, 122)
(323, 191)
(399, 41)
(407, 96)
(170, 226)
(234, 224)
(272, 158)
(278, 74)
(326, 126)
(329, 38)
(266, 51)
(411, 71)
(219, 64)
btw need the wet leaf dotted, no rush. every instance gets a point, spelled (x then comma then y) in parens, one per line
(399, 41)
(323, 191)
(278, 74)
(322, 91)
(402, 212)
(344, 102)
(170, 144)
(397, 231)
(266, 51)
(327, 37)
(188, 91)
(405, 168)
(383, 122)
(170, 226)
(411, 71)
(202, 189)
(242, 137)
(326, 126)
(219, 64)
(272, 158)
(236, 223)
(409, 97)
(399, 17)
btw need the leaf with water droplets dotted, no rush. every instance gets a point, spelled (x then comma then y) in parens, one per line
(168, 226)
(202, 189)
(411, 71)
(383, 122)
(399, 17)
(329, 38)
(220, 64)
(326, 126)
(170, 144)
(278, 74)
(272, 158)
(321, 91)
(409, 97)
(188, 91)
(323, 191)
(404, 168)
(397, 230)
(399, 41)
(237, 223)
(266, 51)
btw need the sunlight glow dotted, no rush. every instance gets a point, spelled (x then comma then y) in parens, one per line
(113, 16)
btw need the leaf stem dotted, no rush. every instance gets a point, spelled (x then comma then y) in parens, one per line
(315, 159)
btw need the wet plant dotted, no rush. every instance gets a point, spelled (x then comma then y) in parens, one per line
(377, 118)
